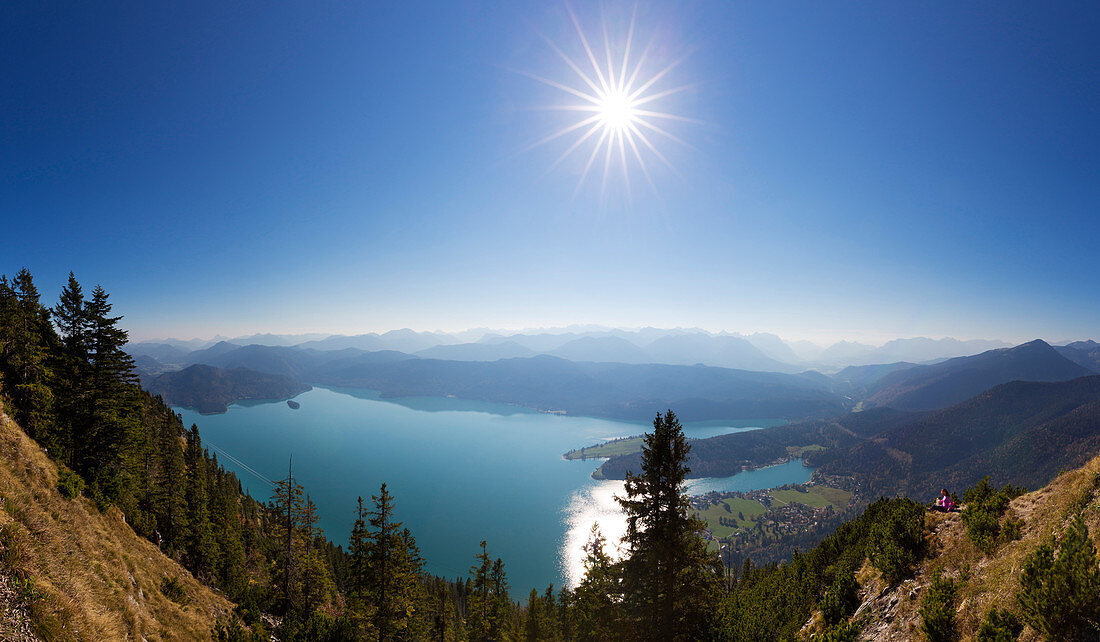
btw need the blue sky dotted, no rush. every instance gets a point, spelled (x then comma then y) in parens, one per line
(860, 170)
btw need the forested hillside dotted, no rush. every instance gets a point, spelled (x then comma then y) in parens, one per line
(209, 389)
(1021, 433)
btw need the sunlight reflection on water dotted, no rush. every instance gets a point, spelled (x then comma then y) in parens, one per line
(595, 503)
(591, 504)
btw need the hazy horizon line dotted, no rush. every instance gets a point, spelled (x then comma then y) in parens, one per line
(841, 337)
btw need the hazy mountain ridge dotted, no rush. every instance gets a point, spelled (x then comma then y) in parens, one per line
(1083, 353)
(477, 351)
(952, 381)
(676, 346)
(515, 380)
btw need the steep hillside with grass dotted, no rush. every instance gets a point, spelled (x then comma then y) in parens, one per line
(955, 583)
(80, 574)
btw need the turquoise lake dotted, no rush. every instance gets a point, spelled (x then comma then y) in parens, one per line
(460, 472)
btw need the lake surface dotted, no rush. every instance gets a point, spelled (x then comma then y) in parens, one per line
(460, 472)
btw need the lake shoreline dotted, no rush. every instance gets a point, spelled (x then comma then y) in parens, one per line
(444, 460)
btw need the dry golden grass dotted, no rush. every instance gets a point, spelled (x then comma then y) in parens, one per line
(987, 580)
(94, 578)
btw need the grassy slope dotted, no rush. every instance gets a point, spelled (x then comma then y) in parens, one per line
(989, 580)
(613, 448)
(94, 578)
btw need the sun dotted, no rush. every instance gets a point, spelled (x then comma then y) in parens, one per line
(617, 92)
(616, 110)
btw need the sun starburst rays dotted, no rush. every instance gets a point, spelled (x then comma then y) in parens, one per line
(617, 100)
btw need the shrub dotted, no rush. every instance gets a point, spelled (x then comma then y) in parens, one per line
(173, 590)
(230, 630)
(999, 626)
(937, 610)
(95, 493)
(842, 632)
(839, 599)
(982, 528)
(895, 537)
(984, 507)
(1010, 532)
(27, 589)
(1060, 593)
(69, 484)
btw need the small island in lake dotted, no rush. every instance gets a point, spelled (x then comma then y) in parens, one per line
(294, 405)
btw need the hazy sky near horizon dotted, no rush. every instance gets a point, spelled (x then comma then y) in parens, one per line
(853, 170)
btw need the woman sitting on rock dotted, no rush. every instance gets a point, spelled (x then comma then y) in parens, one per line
(944, 504)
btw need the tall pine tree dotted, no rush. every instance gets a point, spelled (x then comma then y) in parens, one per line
(668, 580)
(112, 400)
(286, 507)
(25, 349)
(200, 535)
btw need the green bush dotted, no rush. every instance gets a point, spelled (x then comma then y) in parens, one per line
(937, 611)
(229, 629)
(1060, 592)
(984, 507)
(982, 528)
(840, 599)
(69, 484)
(999, 626)
(173, 590)
(896, 538)
(841, 632)
(1010, 532)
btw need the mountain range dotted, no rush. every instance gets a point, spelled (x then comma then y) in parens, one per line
(623, 384)
(679, 346)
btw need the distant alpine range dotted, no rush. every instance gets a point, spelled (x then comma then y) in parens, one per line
(614, 373)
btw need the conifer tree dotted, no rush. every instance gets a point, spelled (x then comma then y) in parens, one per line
(25, 348)
(501, 605)
(315, 579)
(71, 319)
(478, 604)
(359, 550)
(287, 509)
(1060, 591)
(226, 519)
(533, 625)
(112, 400)
(412, 592)
(172, 519)
(594, 602)
(392, 577)
(200, 540)
(668, 579)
